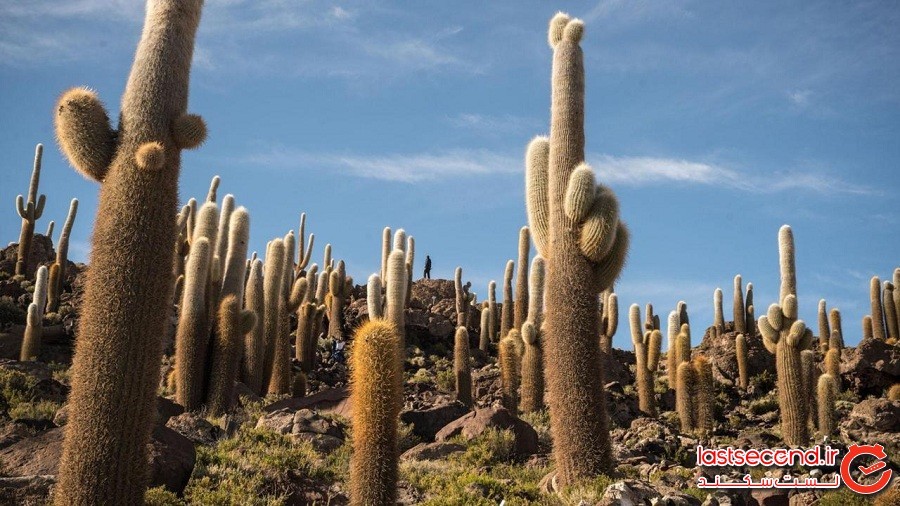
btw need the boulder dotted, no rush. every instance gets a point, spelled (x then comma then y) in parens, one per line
(427, 422)
(871, 368)
(432, 451)
(879, 415)
(476, 422)
(195, 428)
(723, 355)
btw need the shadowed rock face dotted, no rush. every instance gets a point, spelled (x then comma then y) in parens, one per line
(722, 353)
(871, 367)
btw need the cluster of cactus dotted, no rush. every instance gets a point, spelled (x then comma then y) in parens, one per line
(647, 343)
(884, 322)
(786, 336)
(831, 340)
(575, 227)
(376, 381)
(129, 286)
(58, 268)
(30, 211)
(31, 341)
(695, 395)
(532, 367)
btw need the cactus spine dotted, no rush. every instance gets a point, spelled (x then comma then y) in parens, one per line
(719, 319)
(376, 390)
(740, 347)
(62, 253)
(506, 312)
(509, 370)
(520, 309)
(785, 336)
(462, 368)
(826, 395)
(646, 352)
(30, 211)
(584, 246)
(737, 306)
(129, 286)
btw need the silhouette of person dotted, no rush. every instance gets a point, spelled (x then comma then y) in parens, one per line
(427, 274)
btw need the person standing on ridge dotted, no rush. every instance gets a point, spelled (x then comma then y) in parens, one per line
(427, 274)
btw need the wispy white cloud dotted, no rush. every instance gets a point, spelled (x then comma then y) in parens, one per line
(405, 168)
(800, 98)
(487, 124)
(624, 171)
(636, 10)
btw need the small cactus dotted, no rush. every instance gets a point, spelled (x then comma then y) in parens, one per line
(62, 259)
(484, 334)
(719, 318)
(809, 373)
(462, 367)
(685, 391)
(750, 317)
(826, 391)
(254, 341)
(740, 346)
(877, 312)
(609, 320)
(376, 391)
(532, 370)
(867, 328)
(31, 341)
(837, 332)
(520, 309)
(509, 371)
(705, 394)
(461, 305)
(646, 351)
(890, 311)
(738, 306)
(232, 325)
(506, 312)
(30, 211)
(824, 327)
(492, 309)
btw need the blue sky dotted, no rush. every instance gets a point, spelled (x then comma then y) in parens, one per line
(715, 123)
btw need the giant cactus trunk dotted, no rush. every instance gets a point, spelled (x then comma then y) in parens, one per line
(129, 286)
(576, 229)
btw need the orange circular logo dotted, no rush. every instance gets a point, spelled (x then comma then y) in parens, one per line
(858, 450)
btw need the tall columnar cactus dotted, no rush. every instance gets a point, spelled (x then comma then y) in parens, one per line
(826, 394)
(740, 347)
(484, 333)
(576, 228)
(609, 321)
(462, 306)
(673, 327)
(719, 317)
(232, 325)
(785, 336)
(646, 352)
(509, 371)
(338, 292)
(305, 254)
(396, 287)
(385, 250)
(192, 337)
(750, 311)
(506, 312)
(520, 309)
(50, 228)
(897, 295)
(234, 254)
(532, 370)
(462, 367)
(533, 356)
(281, 381)
(129, 286)
(837, 331)
(492, 309)
(867, 330)
(705, 394)
(737, 306)
(62, 259)
(877, 312)
(685, 396)
(31, 341)
(683, 346)
(30, 211)
(34, 330)
(272, 294)
(254, 342)
(890, 311)
(824, 328)
(376, 391)
(810, 378)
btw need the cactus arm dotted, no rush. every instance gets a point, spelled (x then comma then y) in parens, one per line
(22, 208)
(188, 131)
(84, 133)
(373, 297)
